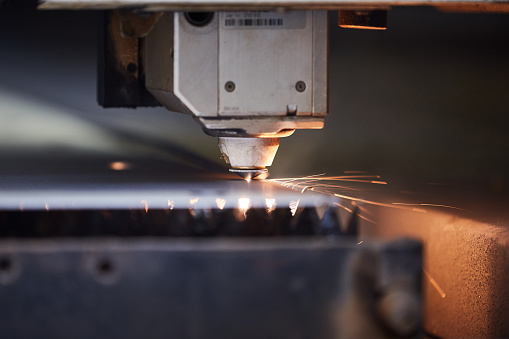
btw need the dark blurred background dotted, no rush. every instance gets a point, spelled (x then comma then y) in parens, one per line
(427, 99)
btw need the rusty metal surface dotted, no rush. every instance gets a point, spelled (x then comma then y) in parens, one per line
(121, 75)
(465, 235)
(466, 270)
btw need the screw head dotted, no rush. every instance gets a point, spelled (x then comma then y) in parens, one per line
(300, 86)
(229, 86)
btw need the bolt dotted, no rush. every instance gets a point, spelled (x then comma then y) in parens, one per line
(229, 86)
(300, 86)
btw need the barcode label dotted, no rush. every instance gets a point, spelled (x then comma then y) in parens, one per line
(267, 19)
(253, 22)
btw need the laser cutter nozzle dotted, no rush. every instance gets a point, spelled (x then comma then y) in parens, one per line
(249, 157)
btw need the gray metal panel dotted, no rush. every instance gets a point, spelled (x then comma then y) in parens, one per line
(272, 74)
(196, 60)
(320, 62)
(200, 289)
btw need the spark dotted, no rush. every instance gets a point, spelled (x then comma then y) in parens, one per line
(431, 205)
(367, 219)
(46, 206)
(220, 203)
(344, 207)
(244, 205)
(434, 283)
(171, 204)
(271, 204)
(248, 179)
(360, 242)
(361, 208)
(293, 207)
(378, 203)
(194, 201)
(145, 203)
(298, 178)
(119, 165)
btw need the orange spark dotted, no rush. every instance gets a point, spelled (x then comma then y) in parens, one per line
(434, 283)
(378, 203)
(367, 219)
(344, 207)
(431, 205)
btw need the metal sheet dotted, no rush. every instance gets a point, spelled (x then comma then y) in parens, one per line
(253, 5)
(38, 182)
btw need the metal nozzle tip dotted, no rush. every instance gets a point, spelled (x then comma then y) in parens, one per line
(248, 174)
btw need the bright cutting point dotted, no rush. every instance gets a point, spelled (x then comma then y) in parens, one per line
(249, 174)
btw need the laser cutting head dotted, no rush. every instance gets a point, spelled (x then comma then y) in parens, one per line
(249, 78)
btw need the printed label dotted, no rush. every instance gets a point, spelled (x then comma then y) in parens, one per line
(263, 19)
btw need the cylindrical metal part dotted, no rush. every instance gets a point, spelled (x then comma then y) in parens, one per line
(248, 153)
(363, 19)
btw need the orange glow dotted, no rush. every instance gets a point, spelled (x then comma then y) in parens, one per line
(248, 179)
(171, 204)
(194, 201)
(46, 206)
(119, 165)
(360, 242)
(220, 203)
